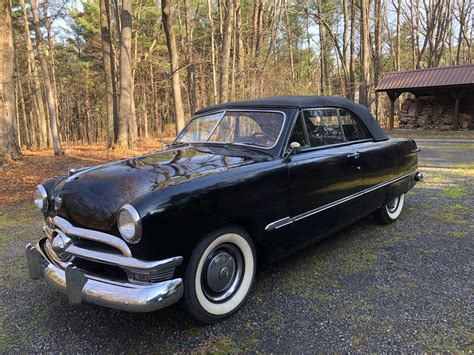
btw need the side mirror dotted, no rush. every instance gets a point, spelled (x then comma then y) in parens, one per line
(295, 148)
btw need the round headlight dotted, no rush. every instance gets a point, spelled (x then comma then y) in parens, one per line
(129, 224)
(41, 198)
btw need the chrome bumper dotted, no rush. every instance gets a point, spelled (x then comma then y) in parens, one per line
(80, 286)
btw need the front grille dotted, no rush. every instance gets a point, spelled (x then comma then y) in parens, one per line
(102, 254)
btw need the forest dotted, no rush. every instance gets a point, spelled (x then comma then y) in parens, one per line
(119, 72)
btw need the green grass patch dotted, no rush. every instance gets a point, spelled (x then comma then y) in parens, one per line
(458, 234)
(226, 344)
(455, 191)
(410, 133)
(456, 214)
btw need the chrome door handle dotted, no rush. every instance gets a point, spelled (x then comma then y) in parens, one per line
(355, 155)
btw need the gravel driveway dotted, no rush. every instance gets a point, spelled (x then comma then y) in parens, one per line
(407, 286)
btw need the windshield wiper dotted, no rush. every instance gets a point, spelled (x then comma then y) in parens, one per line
(178, 144)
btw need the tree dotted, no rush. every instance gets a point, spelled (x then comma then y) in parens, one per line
(352, 44)
(167, 18)
(50, 96)
(225, 53)
(126, 81)
(377, 54)
(191, 70)
(34, 86)
(9, 148)
(108, 59)
(364, 53)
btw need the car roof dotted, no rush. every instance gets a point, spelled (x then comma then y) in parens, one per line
(301, 102)
(282, 102)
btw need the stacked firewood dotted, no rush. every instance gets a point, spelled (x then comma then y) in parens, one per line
(430, 113)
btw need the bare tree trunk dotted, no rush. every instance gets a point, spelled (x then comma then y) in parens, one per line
(51, 57)
(290, 44)
(191, 70)
(464, 9)
(112, 12)
(40, 47)
(240, 50)
(352, 79)
(225, 54)
(413, 35)
(25, 137)
(377, 51)
(167, 18)
(9, 148)
(34, 83)
(109, 72)
(324, 52)
(398, 8)
(345, 48)
(213, 51)
(145, 133)
(126, 80)
(364, 49)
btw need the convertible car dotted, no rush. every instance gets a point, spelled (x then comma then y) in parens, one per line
(244, 183)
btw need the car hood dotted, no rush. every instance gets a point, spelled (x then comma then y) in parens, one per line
(92, 196)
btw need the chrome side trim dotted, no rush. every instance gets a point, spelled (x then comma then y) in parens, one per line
(278, 224)
(111, 240)
(288, 220)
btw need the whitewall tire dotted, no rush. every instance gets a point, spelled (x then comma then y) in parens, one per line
(220, 274)
(390, 212)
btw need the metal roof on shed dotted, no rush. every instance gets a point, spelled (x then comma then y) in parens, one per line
(460, 75)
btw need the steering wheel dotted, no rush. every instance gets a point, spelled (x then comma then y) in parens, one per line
(262, 137)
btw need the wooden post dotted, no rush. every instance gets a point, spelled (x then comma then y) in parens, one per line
(456, 96)
(393, 96)
(456, 113)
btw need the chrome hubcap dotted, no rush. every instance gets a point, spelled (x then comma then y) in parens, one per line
(393, 205)
(222, 272)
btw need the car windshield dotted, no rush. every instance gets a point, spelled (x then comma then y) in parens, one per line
(257, 128)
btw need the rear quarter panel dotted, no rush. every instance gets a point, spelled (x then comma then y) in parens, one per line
(384, 161)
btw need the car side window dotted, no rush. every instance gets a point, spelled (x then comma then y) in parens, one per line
(353, 129)
(323, 127)
(298, 134)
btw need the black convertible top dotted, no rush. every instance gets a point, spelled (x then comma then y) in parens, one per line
(306, 102)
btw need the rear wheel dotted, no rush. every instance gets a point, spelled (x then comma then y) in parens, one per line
(219, 275)
(390, 212)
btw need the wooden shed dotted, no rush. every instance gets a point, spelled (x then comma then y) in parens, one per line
(443, 97)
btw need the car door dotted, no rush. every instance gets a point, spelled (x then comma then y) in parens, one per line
(322, 175)
(378, 160)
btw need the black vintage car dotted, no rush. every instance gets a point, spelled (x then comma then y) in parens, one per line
(244, 182)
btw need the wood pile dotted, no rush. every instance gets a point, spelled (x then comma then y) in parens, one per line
(431, 112)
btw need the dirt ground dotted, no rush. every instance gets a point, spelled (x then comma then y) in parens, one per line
(407, 286)
(19, 178)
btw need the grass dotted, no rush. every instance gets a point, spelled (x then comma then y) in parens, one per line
(455, 214)
(10, 218)
(411, 133)
(434, 338)
(458, 234)
(227, 344)
(455, 191)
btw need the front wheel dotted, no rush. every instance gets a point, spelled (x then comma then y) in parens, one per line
(390, 212)
(219, 275)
